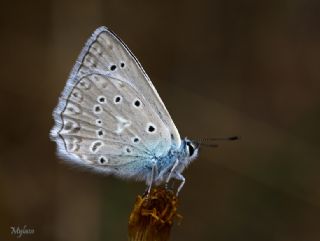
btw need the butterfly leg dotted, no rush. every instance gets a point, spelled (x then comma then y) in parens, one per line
(151, 178)
(181, 178)
(171, 171)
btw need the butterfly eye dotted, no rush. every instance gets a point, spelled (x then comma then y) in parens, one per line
(122, 64)
(190, 148)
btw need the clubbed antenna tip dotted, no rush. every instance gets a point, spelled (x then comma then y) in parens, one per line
(234, 138)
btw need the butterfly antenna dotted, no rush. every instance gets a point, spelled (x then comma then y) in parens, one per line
(208, 145)
(202, 142)
(231, 138)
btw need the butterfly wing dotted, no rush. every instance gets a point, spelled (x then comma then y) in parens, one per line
(109, 113)
(106, 52)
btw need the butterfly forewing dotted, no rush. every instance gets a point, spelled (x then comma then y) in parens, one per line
(105, 52)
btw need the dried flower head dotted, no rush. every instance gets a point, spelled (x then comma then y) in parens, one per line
(153, 216)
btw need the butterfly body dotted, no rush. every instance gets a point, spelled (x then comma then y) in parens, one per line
(141, 169)
(111, 119)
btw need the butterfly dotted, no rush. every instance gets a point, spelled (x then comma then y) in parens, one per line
(110, 118)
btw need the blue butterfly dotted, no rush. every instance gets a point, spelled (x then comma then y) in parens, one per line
(111, 119)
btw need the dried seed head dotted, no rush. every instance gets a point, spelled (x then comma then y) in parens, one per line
(153, 215)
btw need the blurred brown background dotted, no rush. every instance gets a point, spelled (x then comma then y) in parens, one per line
(228, 67)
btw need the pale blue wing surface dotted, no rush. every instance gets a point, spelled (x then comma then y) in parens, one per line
(92, 128)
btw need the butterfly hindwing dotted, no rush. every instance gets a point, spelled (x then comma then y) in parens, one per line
(107, 118)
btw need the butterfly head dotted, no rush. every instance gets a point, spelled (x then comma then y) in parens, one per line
(191, 149)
